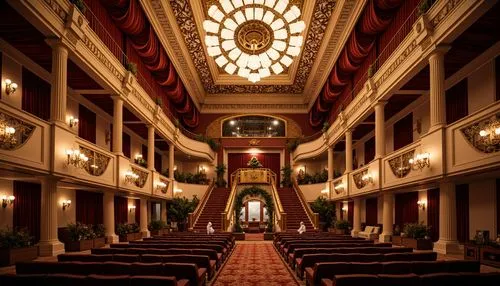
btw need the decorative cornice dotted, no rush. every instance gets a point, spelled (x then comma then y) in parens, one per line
(252, 108)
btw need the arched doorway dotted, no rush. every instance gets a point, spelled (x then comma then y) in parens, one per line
(254, 216)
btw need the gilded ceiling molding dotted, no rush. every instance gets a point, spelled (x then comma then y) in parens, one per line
(253, 108)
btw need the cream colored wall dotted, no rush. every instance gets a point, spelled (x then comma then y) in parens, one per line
(6, 214)
(422, 214)
(12, 70)
(68, 215)
(131, 214)
(363, 210)
(482, 207)
(188, 190)
(313, 191)
(481, 87)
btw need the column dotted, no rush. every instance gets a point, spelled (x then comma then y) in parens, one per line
(388, 218)
(144, 218)
(117, 124)
(330, 163)
(437, 91)
(338, 210)
(447, 242)
(171, 160)
(348, 151)
(109, 217)
(356, 224)
(49, 244)
(59, 87)
(151, 148)
(163, 211)
(379, 130)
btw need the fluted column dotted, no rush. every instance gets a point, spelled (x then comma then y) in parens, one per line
(447, 242)
(171, 160)
(388, 218)
(151, 148)
(348, 151)
(109, 217)
(330, 163)
(379, 130)
(144, 218)
(59, 87)
(117, 125)
(356, 224)
(49, 244)
(437, 91)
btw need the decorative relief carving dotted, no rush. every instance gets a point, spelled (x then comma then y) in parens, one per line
(395, 64)
(450, 5)
(57, 9)
(18, 135)
(102, 58)
(483, 136)
(97, 163)
(400, 165)
(360, 179)
(338, 187)
(254, 142)
(143, 177)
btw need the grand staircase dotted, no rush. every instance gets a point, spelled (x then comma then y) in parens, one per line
(212, 211)
(295, 213)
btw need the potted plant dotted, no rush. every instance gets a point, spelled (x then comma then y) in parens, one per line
(16, 246)
(341, 226)
(100, 236)
(220, 170)
(417, 236)
(81, 237)
(128, 232)
(254, 163)
(286, 178)
(326, 210)
(238, 232)
(180, 209)
(157, 227)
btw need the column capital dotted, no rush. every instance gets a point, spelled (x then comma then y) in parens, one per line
(380, 103)
(58, 43)
(440, 50)
(117, 97)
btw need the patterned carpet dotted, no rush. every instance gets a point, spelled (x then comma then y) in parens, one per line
(256, 264)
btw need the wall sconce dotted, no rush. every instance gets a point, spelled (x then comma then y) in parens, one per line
(139, 160)
(420, 161)
(367, 178)
(73, 122)
(177, 191)
(7, 135)
(10, 87)
(201, 169)
(7, 200)
(76, 158)
(66, 204)
(131, 177)
(345, 209)
(162, 187)
(422, 204)
(130, 208)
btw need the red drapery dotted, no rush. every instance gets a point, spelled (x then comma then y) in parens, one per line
(27, 207)
(240, 160)
(369, 150)
(375, 18)
(121, 210)
(462, 204)
(126, 145)
(144, 150)
(433, 213)
(372, 211)
(86, 124)
(131, 19)
(158, 163)
(457, 102)
(36, 95)
(89, 207)
(350, 212)
(406, 208)
(403, 132)
(137, 210)
(497, 76)
(498, 202)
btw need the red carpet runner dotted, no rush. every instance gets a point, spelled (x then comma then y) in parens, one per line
(255, 264)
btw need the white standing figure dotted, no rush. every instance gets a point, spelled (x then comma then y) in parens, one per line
(302, 228)
(210, 229)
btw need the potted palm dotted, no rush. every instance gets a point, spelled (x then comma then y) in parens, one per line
(220, 170)
(100, 236)
(16, 246)
(180, 209)
(416, 235)
(157, 227)
(81, 237)
(341, 226)
(286, 179)
(325, 209)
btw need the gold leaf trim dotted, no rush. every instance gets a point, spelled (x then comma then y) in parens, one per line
(23, 132)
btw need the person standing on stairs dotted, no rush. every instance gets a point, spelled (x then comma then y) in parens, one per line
(302, 228)
(210, 229)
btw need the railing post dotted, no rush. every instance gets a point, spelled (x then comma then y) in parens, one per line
(190, 221)
(316, 220)
(223, 222)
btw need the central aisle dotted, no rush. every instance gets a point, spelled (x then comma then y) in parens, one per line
(255, 263)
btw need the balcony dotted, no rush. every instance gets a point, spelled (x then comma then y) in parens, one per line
(366, 179)
(339, 188)
(162, 186)
(133, 177)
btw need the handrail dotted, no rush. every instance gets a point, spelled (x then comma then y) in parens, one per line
(193, 217)
(227, 215)
(313, 217)
(280, 211)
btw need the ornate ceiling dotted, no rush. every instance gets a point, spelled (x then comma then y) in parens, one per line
(178, 24)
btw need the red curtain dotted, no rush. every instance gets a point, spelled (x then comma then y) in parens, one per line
(350, 212)
(121, 210)
(406, 208)
(126, 145)
(86, 124)
(369, 150)
(158, 163)
(462, 203)
(372, 211)
(240, 160)
(497, 76)
(89, 207)
(27, 207)
(35, 95)
(433, 213)
(403, 132)
(137, 210)
(457, 102)
(144, 150)
(498, 201)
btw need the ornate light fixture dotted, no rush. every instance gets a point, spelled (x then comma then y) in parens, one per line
(7, 200)
(7, 134)
(422, 204)
(76, 158)
(131, 208)
(73, 122)
(254, 37)
(10, 87)
(339, 188)
(131, 177)
(162, 186)
(66, 204)
(485, 134)
(420, 161)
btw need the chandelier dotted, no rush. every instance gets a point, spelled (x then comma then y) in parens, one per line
(420, 161)
(76, 158)
(254, 38)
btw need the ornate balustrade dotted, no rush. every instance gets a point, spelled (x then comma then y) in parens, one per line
(365, 179)
(133, 177)
(193, 217)
(339, 188)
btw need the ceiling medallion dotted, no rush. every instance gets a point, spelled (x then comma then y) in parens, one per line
(253, 38)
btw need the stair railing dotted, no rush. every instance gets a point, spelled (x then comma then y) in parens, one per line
(193, 217)
(227, 216)
(280, 214)
(313, 217)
